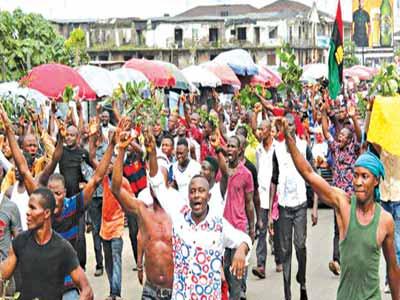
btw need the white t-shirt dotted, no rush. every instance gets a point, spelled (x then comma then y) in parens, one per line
(191, 142)
(183, 177)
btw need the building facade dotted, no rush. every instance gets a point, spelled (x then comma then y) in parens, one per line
(201, 33)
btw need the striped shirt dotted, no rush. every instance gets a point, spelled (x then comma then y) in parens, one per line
(66, 224)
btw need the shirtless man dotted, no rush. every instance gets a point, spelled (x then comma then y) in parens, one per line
(155, 229)
(364, 228)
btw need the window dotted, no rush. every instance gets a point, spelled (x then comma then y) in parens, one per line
(233, 32)
(273, 33)
(224, 13)
(241, 34)
(139, 37)
(213, 35)
(178, 37)
(257, 35)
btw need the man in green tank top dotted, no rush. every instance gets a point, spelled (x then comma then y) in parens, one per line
(364, 228)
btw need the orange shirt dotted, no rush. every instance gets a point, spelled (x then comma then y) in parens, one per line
(112, 219)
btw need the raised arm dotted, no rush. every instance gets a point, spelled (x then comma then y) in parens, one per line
(99, 173)
(325, 125)
(81, 119)
(19, 158)
(124, 197)
(115, 110)
(49, 169)
(351, 111)
(331, 196)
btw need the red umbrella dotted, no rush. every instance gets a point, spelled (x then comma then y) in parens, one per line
(265, 77)
(223, 72)
(52, 79)
(156, 72)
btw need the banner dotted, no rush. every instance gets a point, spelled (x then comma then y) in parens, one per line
(372, 24)
(384, 128)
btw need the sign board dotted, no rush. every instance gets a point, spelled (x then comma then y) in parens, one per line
(372, 24)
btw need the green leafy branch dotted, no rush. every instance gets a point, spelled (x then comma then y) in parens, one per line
(386, 83)
(290, 72)
(248, 98)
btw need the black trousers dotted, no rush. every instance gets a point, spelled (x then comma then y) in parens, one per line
(133, 232)
(336, 251)
(293, 220)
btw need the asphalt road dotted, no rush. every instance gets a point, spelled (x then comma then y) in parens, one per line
(321, 283)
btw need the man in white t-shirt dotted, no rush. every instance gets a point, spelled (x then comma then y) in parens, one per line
(183, 169)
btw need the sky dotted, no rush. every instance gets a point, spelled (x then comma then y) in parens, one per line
(78, 9)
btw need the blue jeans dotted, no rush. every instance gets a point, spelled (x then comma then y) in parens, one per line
(394, 209)
(71, 295)
(113, 262)
(94, 211)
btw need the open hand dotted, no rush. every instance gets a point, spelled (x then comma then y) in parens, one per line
(62, 129)
(93, 126)
(351, 110)
(257, 107)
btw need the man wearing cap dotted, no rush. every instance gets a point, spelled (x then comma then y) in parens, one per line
(364, 227)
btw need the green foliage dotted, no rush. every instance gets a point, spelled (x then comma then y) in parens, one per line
(248, 96)
(146, 110)
(350, 59)
(76, 46)
(362, 105)
(16, 108)
(387, 82)
(28, 40)
(290, 72)
(205, 117)
(68, 94)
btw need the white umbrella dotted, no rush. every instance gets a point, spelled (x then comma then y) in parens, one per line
(13, 89)
(125, 75)
(99, 79)
(201, 77)
(239, 60)
(312, 72)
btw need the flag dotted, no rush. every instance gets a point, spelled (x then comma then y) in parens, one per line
(335, 62)
(385, 123)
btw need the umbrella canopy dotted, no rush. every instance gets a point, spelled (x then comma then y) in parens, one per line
(12, 89)
(357, 73)
(201, 77)
(181, 82)
(312, 72)
(99, 79)
(265, 77)
(52, 79)
(239, 60)
(125, 75)
(371, 71)
(157, 73)
(223, 72)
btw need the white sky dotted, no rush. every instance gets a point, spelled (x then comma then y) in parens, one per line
(78, 9)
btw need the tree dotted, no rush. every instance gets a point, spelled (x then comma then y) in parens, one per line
(76, 46)
(350, 59)
(28, 40)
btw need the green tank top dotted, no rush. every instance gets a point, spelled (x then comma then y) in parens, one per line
(359, 257)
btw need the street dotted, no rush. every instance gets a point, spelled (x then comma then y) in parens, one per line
(321, 283)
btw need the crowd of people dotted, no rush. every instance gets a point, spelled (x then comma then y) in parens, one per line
(196, 194)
